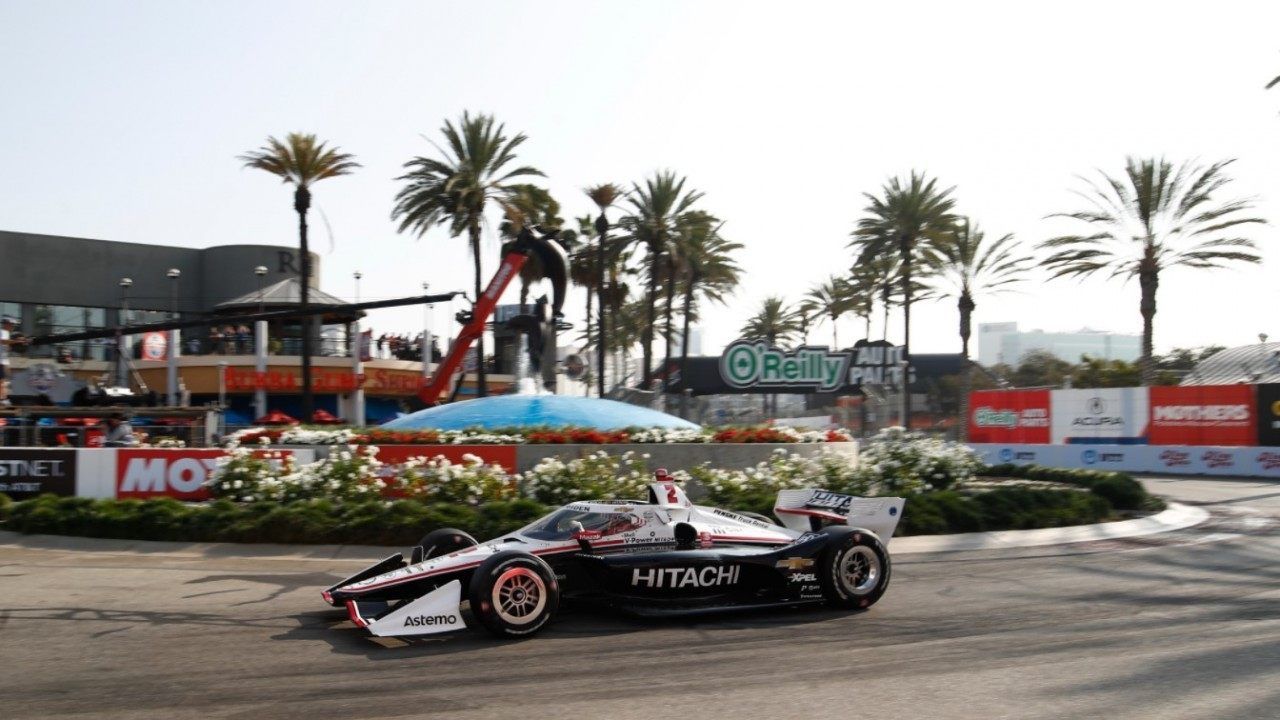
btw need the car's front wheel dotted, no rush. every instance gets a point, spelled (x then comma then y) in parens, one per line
(854, 569)
(514, 594)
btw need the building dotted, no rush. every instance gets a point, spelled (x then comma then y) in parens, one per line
(1004, 343)
(56, 285)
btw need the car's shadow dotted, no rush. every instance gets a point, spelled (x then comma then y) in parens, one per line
(578, 621)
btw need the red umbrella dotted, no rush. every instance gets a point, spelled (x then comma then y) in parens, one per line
(275, 417)
(324, 417)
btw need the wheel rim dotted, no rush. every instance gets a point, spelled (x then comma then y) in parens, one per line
(519, 595)
(860, 570)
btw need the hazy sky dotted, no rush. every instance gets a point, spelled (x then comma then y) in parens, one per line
(122, 120)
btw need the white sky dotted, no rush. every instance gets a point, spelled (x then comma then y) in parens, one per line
(122, 120)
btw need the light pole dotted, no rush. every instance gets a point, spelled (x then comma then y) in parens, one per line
(426, 336)
(122, 347)
(355, 411)
(172, 377)
(260, 340)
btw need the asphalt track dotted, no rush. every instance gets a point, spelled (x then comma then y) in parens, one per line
(1178, 625)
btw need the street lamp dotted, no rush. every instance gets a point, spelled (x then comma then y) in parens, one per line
(172, 375)
(357, 275)
(261, 272)
(121, 349)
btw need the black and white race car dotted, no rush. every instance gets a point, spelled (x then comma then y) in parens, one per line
(665, 556)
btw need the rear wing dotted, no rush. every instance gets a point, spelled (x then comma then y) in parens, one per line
(811, 508)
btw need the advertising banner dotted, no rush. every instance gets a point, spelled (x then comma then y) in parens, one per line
(1268, 409)
(1102, 415)
(1009, 416)
(1155, 459)
(173, 472)
(1203, 415)
(28, 472)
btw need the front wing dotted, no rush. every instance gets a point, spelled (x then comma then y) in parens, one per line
(439, 611)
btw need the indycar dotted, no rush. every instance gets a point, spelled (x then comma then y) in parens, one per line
(660, 557)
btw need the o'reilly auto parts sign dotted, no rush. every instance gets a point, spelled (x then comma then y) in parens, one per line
(755, 364)
(1009, 416)
(28, 472)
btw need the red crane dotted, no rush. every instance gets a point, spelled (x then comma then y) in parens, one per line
(555, 266)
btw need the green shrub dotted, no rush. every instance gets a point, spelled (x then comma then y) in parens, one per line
(1121, 490)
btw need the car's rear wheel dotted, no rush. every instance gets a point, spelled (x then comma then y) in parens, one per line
(441, 541)
(854, 569)
(514, 594)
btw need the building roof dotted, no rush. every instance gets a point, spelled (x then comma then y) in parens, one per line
(1256, 363)
(284, 293)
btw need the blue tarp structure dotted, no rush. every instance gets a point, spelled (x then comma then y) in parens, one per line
(507, 411)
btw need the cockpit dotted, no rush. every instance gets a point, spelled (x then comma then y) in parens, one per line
(563, 523)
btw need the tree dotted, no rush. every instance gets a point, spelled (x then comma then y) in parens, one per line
(477, 168)
(1038, 368)
(773, 323)
(908, 217)
(710, 274)
(966, 265)
(604, 196)
(1098, 373)
(829, 299)
(302, 161)
(658, 209)
(1153, 218)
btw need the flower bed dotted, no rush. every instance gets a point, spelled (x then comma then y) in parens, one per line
(529, 436)
(348, 497)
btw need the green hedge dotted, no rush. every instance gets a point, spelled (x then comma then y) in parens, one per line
(402, 522)
(1119, 489)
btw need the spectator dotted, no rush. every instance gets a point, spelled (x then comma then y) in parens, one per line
(245, 338)
(215, 340)
(228, 340)
(119, 432)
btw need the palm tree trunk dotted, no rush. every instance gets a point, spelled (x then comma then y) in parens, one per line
(302, 203)
(651, 314)
(482, 386)
(835, 338)
(602, 232)
(867, 336)
(671, 293)
(1149, 281)
(590, 294)
(967, 306)
(904, 249)
(684, 344)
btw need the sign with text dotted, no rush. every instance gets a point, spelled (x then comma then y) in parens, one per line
(1009, 416)
(1203, 415)
(759, 365)
(175, 472)
(28, 472)
(1100, 415)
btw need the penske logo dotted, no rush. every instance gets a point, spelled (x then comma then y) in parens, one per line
(429, 620)
(710, 576)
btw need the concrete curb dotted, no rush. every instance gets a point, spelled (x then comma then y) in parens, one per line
(1175, 518)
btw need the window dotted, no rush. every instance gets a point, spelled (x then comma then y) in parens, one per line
(59, 319)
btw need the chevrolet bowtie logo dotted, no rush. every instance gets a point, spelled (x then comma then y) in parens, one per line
(795, 563)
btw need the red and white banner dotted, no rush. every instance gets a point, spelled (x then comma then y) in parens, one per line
(1009, 416)
(172, 472)
(1203, 415)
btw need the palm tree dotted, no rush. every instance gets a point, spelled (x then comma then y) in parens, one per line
(774, 323)
(531, 205)
(301, 161)
(658, 210)
(830, 299)
(604, 196)
(477, 168)
(968, 265)
(710, 273)
(1154, 217)
(909, 212)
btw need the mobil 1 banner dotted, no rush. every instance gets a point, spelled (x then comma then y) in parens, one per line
(28, 472)
(1269, 415)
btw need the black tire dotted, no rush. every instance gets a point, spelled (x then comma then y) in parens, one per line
(442, 542)
(853, 569)
(514, 594)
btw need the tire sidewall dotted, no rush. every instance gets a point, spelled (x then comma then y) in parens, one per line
(481, 591)
(841, 544)
(443, 541)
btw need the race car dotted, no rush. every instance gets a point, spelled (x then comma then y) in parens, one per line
(663, 556)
